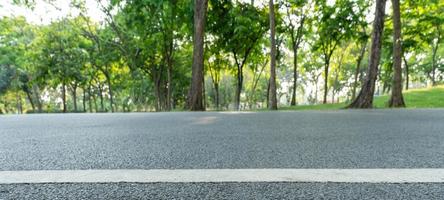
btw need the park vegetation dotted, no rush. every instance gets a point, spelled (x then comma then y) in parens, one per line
(165, 55)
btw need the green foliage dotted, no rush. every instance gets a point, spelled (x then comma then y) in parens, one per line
(338, 22)
(6, 76)
(240, 29)
(139, 58)
(418, 98)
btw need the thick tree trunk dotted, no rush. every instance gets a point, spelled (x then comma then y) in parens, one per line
(195, 98)
(396, 99)
(365, 97)
(273, 98)
(358, 69)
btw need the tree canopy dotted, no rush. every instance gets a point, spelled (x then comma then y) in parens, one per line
(141, 55)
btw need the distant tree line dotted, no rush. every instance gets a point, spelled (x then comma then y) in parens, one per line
(168, 55)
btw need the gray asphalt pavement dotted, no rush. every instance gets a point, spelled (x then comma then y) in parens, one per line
(304, 139)
(234, 191)
(318, 139)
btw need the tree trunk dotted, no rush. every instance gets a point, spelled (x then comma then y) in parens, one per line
(74, 96)
(195, 99)
(36, 92)
(170, 100)
(157, 92)
(255, 82)
(89, 99)
(96, 108)
(64, 97)
(240, 80)
(19, 103)
(295, 75)
(170, 85)
(170, 67)
(273, 99)
(268, 93)
(102, 106)
(435, 49)
(216, 88)
(29, 96)
(84, 99)
(296, 41)
(214, 74)
(110, 90)
(407, 81)
(326, 67)
(204, 98)
(396, 99)
(358, 69)
(316, 88)
(365, 97)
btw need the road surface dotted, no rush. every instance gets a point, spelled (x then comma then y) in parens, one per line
(345, 139)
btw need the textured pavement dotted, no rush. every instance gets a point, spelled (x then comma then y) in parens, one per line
(223, 191)
(302, 139)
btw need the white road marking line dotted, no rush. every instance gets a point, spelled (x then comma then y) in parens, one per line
(433, 175)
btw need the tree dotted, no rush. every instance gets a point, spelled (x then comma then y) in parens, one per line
(62, 57)
(239, 29)
(195, 98)
(138, 58)
(362, 40)
(6, 76)
(295, 12)
(16, 37)
(365, 97)
(273, 100)
(396, 99)
(334, 24)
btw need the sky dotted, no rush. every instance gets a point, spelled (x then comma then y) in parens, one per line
(44, 13)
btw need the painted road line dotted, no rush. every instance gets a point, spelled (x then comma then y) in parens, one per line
(225, 175)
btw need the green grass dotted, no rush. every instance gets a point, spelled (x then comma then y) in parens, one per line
(416, 98)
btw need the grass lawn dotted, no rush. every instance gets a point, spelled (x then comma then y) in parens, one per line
(416, 98)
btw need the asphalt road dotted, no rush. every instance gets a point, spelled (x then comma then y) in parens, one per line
(305, 139)
(234, 191)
